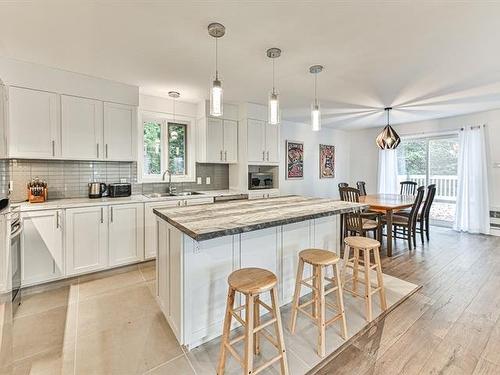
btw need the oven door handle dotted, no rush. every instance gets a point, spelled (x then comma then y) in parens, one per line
(17, 232)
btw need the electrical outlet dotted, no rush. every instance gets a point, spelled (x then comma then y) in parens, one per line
(208, 181)
(198, 180)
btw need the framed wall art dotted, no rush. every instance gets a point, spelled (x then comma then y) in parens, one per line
(294, 160)
(326, 161)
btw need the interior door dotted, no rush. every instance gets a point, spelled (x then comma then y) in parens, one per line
(120, 124)
(126, 233)
(34, 133)
(230, 141)
(256, 141)
(214, 141)
(82, 131)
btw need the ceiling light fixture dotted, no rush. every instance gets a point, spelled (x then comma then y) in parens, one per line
(216, 30)
(388, 139)
(315, 110)
(273, 107)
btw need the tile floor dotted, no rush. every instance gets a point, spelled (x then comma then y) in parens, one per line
(110, 323)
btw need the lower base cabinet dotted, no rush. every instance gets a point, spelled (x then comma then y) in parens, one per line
(126, 234)
(86, 239)
(41, 246)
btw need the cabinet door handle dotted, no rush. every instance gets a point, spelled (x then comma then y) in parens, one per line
(102, 215)
(225, 155)
(185, 203)
(220, 155)
(98, 150)
(268, 156)
(178, 203)
(263, 155)
(106, 150)
(53, 148)
(57, 219)
(111, 213)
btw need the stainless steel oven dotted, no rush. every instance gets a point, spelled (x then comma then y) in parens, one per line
(16, 229)
(260, 180)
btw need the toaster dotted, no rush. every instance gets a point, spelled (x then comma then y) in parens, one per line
(119, 190)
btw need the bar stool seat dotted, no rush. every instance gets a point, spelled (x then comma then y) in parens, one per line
(252, 282)
(319, 260)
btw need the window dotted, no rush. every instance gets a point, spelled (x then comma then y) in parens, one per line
(166, 146)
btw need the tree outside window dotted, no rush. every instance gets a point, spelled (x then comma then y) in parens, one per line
(177, 148)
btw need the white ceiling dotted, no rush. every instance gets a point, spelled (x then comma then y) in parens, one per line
(426, 59)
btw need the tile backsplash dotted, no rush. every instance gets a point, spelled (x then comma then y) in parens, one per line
(69, 179)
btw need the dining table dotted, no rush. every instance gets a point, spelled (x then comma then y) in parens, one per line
(388, 204)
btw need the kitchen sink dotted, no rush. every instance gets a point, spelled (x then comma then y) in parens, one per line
(182, 194)
(187, 193)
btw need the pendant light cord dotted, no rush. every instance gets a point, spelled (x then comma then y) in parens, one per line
(274, 91)
(216, 57)
(315, 89)
(388, 111)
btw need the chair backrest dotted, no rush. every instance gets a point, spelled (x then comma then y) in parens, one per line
(361, 187)
(343, 185)
(349, 194)
(408, 187)
(353, 220)
(431, 192)
(416, 206)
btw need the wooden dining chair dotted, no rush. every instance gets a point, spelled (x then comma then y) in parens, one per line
(343, 185)
(359, 222)
(405, 226)
(408, 187)
(361, 187)
(423, 218)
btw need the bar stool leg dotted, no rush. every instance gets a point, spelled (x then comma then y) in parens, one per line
(380, 279)
(225, 335)
(346, 261)
(249, 324)
(321, 310)
(296, 296)
(279, 331)
(340, 300)
(256, 314)
(368, 286)
(355, 271)
(315, 306)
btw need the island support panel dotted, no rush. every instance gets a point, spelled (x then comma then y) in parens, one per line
(192, 276)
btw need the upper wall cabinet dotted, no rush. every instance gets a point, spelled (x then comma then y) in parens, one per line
(82, 128)
(33, 124)
(263, 142)
(217, 141)
(120, 125)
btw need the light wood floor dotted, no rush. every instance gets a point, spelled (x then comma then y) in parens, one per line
(451, 326)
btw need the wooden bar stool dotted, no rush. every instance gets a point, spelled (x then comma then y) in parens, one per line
(358, 243)
(319, 260)
(251, 282)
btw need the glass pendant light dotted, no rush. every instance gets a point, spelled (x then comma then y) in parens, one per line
(315, 109)
(216, 30)
(388, 139)
(273, 107)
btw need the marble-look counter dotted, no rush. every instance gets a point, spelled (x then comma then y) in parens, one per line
(235, 217)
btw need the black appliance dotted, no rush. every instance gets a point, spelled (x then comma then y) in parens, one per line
(119, 190)
(260, 180)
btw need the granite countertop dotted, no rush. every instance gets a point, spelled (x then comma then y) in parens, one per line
(54, 204)
(235, 217)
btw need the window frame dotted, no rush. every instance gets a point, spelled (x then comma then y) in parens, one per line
(190, 164)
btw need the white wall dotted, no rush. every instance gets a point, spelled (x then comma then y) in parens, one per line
(312, 185)
(364, 164)
(150, 103)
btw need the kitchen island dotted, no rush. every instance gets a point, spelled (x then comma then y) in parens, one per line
(199, 246)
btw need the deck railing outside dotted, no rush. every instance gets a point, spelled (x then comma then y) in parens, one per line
(446, 186)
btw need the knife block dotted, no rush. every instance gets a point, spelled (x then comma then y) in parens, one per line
(37, 198)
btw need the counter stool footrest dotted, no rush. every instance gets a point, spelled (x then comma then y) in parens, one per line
(308, 285)
(332, 320)
(306, 313)
(267, 364)
(332, 306)
(331, 290)
(265, 305)
(236, 340)
(262, 326)
(270, 338)
(233, 353)
(237, 317)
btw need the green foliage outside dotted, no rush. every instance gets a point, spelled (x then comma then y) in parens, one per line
(152, 148)
(177, 148)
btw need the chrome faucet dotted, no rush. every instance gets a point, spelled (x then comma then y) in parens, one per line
(171, 189)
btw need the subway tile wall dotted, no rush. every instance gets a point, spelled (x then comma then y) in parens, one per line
(69, 179)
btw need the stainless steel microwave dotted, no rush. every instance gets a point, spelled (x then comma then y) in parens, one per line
(260, 180)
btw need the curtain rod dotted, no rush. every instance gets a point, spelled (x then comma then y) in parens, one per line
(474, 127)
(439, 132)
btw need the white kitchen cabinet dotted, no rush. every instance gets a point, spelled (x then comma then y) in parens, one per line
(82, 128)
(126, 233)
(120, 125)
(262, 142)
(34, 124)
(263, 194)
(41, 246)
(217, 140)
(150, 227)
(86, 239)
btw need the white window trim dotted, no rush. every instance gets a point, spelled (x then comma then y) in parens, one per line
(164, 118)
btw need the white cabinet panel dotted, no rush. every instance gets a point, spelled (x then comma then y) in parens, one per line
(326, 233)
(41, 246)
(263, 194)
(86, 239)
(126, 233)
(82, 128)
(214, 140)
(150, 227)
(230, 141)
(34, 123)
(256, 141)
(120, 126)
(272, 143)
(196, 201)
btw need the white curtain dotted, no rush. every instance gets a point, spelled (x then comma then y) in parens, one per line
(388, 172)
(472, 197)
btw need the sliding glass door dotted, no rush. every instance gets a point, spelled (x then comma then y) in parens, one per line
(432, 160)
